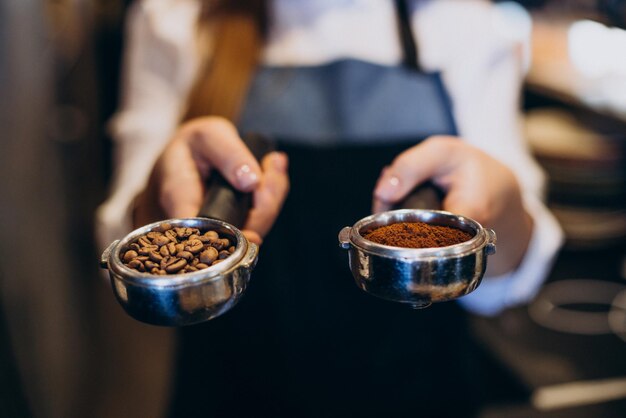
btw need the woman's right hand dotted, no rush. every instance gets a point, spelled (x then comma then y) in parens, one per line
(176, 185)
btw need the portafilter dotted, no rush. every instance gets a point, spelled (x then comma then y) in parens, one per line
(193, 297)
(418, 276)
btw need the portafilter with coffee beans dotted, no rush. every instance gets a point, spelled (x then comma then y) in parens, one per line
(184, 271)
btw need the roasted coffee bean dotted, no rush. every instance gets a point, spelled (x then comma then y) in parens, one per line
(206, 239)
(156, 256)
(186, 255)
(153, 234)
(151, 265)
(129, 255)
(175, 265)
(171, 235)
(137, 265)
(176, 250)
(194, 246)
(209, 255)
(164, 261)
(145, 250)
(161, 240)
(144, 241)
(185, 232)
(211, 234)
(209, 237)
(216, 262)
(220, 244)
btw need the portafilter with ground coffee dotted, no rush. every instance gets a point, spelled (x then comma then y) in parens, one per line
(418, 276)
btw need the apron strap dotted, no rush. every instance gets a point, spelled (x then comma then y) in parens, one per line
(407, 37)
(410, 54)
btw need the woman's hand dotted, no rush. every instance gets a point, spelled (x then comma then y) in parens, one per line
(176, 185)
(476, 186)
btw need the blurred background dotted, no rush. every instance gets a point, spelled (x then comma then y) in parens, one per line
(65, 345)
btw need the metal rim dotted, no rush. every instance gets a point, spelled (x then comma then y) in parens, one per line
(216, 272)
(436, 217)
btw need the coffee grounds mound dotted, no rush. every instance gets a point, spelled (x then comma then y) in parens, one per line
(417, 235)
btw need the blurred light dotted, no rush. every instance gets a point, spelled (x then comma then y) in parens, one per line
(597, 50)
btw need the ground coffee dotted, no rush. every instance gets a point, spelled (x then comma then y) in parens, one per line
(417, 235)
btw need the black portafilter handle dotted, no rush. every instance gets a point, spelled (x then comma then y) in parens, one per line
(221, 200)
(425, 196)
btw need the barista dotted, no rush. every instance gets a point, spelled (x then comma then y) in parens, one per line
(347, 101)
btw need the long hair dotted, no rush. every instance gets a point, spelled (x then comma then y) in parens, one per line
(237, 29)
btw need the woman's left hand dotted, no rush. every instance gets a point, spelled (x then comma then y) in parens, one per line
(475, 185)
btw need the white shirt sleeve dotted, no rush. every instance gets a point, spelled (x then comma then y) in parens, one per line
(158, 63)
(520, 286)
(483, 64)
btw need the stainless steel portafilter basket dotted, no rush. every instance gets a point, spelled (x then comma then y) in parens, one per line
(193, 297)
(186, 298)
(417, 277)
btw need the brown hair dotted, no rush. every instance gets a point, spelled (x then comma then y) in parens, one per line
(238, 28)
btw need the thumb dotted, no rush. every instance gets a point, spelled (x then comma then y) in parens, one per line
(427, 160)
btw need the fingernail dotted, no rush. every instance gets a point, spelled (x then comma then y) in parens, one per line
(387, 188)
(246, 178)
(279, 160)
(394, 181)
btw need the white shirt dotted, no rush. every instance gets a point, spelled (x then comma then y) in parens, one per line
(470, 42)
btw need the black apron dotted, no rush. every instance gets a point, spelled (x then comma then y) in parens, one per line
(305, 341)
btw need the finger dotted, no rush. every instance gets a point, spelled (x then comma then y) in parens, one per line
(252, 236)
(379, 205)
(215, 143)
(180, 192)
(270, 194)
(428, 160)
(457, 201)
